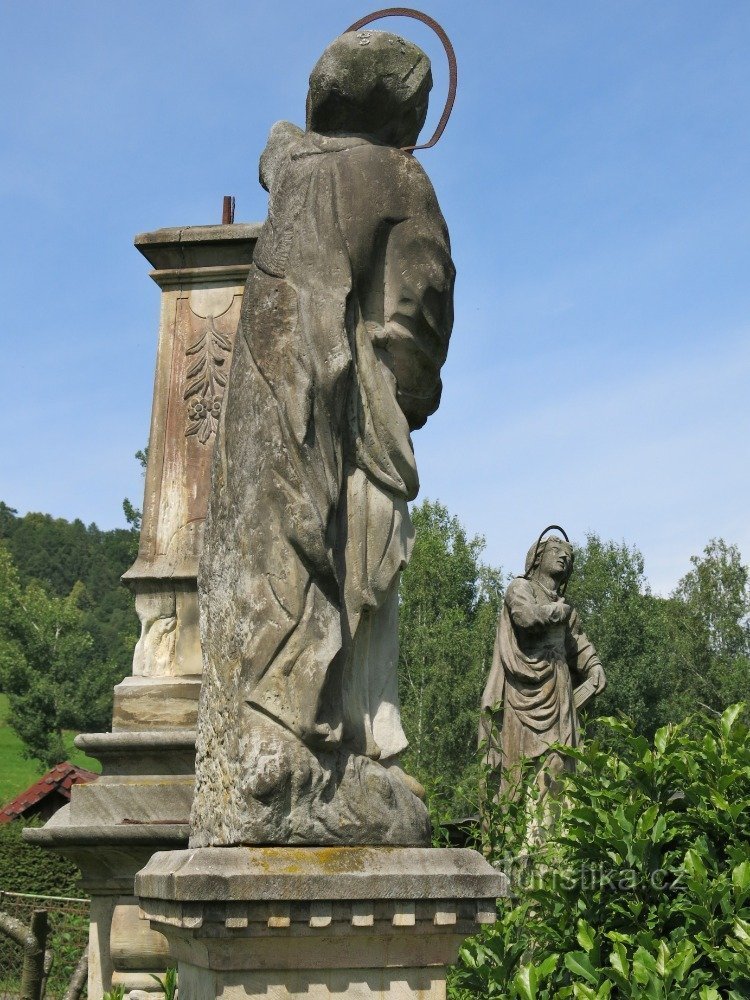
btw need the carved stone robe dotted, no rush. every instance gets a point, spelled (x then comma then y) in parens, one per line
(344, 328)
(537, 659)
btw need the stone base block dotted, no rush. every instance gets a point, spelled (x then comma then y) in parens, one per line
(312, 923)
(141, 703)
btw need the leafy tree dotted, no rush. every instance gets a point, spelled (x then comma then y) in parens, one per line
(48, 664)
(7, 519)
(665, 657)
(715, 636)
(717, 592)
(628, 626)
(448, 609)
(133, 515)
(67, 625)
(58, 553)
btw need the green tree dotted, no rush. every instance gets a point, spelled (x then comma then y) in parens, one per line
(665, 657)
(7, 519)
(47, 664)
(629, 627)
(715, 626)
(133, 514)
(448, 609)
(57, 554)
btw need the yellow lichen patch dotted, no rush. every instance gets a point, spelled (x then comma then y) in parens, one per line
(300, 860)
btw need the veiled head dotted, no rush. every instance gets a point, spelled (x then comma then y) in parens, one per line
(370, 83)
(554, 556)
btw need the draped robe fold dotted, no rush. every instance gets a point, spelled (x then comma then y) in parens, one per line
(529, 691)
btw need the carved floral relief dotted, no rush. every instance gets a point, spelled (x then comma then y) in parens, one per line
(206, 381)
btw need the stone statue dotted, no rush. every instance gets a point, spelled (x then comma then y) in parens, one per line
(344, 327)
(543, 669)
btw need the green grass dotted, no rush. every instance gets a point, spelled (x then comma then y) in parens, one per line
(16, 771)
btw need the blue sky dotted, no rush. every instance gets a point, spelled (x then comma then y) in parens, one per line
(595, 177)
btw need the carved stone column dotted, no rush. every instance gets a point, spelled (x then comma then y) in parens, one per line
(141, 803)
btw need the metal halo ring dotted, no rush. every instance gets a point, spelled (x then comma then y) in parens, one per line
(452, 64)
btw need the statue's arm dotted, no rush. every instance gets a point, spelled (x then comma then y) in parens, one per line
(418, 296)
(526, 611)
(582, 656)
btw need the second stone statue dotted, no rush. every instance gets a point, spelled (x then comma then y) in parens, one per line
(344, 328)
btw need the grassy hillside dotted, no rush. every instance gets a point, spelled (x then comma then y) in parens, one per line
(16, 772)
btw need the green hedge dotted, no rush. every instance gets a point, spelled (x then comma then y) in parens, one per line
(641, 889)
(27, 868)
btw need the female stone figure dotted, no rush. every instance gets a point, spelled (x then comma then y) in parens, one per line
(541, 655)
(344, 328)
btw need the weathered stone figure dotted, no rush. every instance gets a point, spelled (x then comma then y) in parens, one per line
(344, 328)
(543, 667)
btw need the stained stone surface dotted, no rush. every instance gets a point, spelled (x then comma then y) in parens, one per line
(343, 330)
(309, 874)
(316, 798)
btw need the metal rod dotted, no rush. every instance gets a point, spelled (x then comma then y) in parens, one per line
(227, 210)
(36, 895)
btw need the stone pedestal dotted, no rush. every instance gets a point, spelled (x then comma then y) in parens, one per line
(312, 923)
(141, 803)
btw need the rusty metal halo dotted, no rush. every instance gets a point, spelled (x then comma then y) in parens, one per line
(452, 64)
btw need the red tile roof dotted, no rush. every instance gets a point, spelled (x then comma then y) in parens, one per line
(60, 779)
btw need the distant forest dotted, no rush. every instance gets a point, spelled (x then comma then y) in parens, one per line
(59, 553)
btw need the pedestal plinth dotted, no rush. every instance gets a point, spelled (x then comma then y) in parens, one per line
(308, 923)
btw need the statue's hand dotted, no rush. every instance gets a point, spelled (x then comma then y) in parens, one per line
(561, 611)
(597, 675)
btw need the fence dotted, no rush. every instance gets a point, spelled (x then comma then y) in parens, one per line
(67, 940)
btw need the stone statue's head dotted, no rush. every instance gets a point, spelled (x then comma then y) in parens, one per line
(370, 83)
(554, 557)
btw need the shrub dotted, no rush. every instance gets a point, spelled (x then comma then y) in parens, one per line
(27, 868)
(642, 887)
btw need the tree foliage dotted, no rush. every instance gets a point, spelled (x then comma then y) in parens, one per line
(714, 597)
(665, 657)
(67, 626)
(58, 554)
(133, 514)
(448, 608)
(28, 868)
(48, 666)
(625, 623)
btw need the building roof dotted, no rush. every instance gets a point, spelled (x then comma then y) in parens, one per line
(59, 780)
